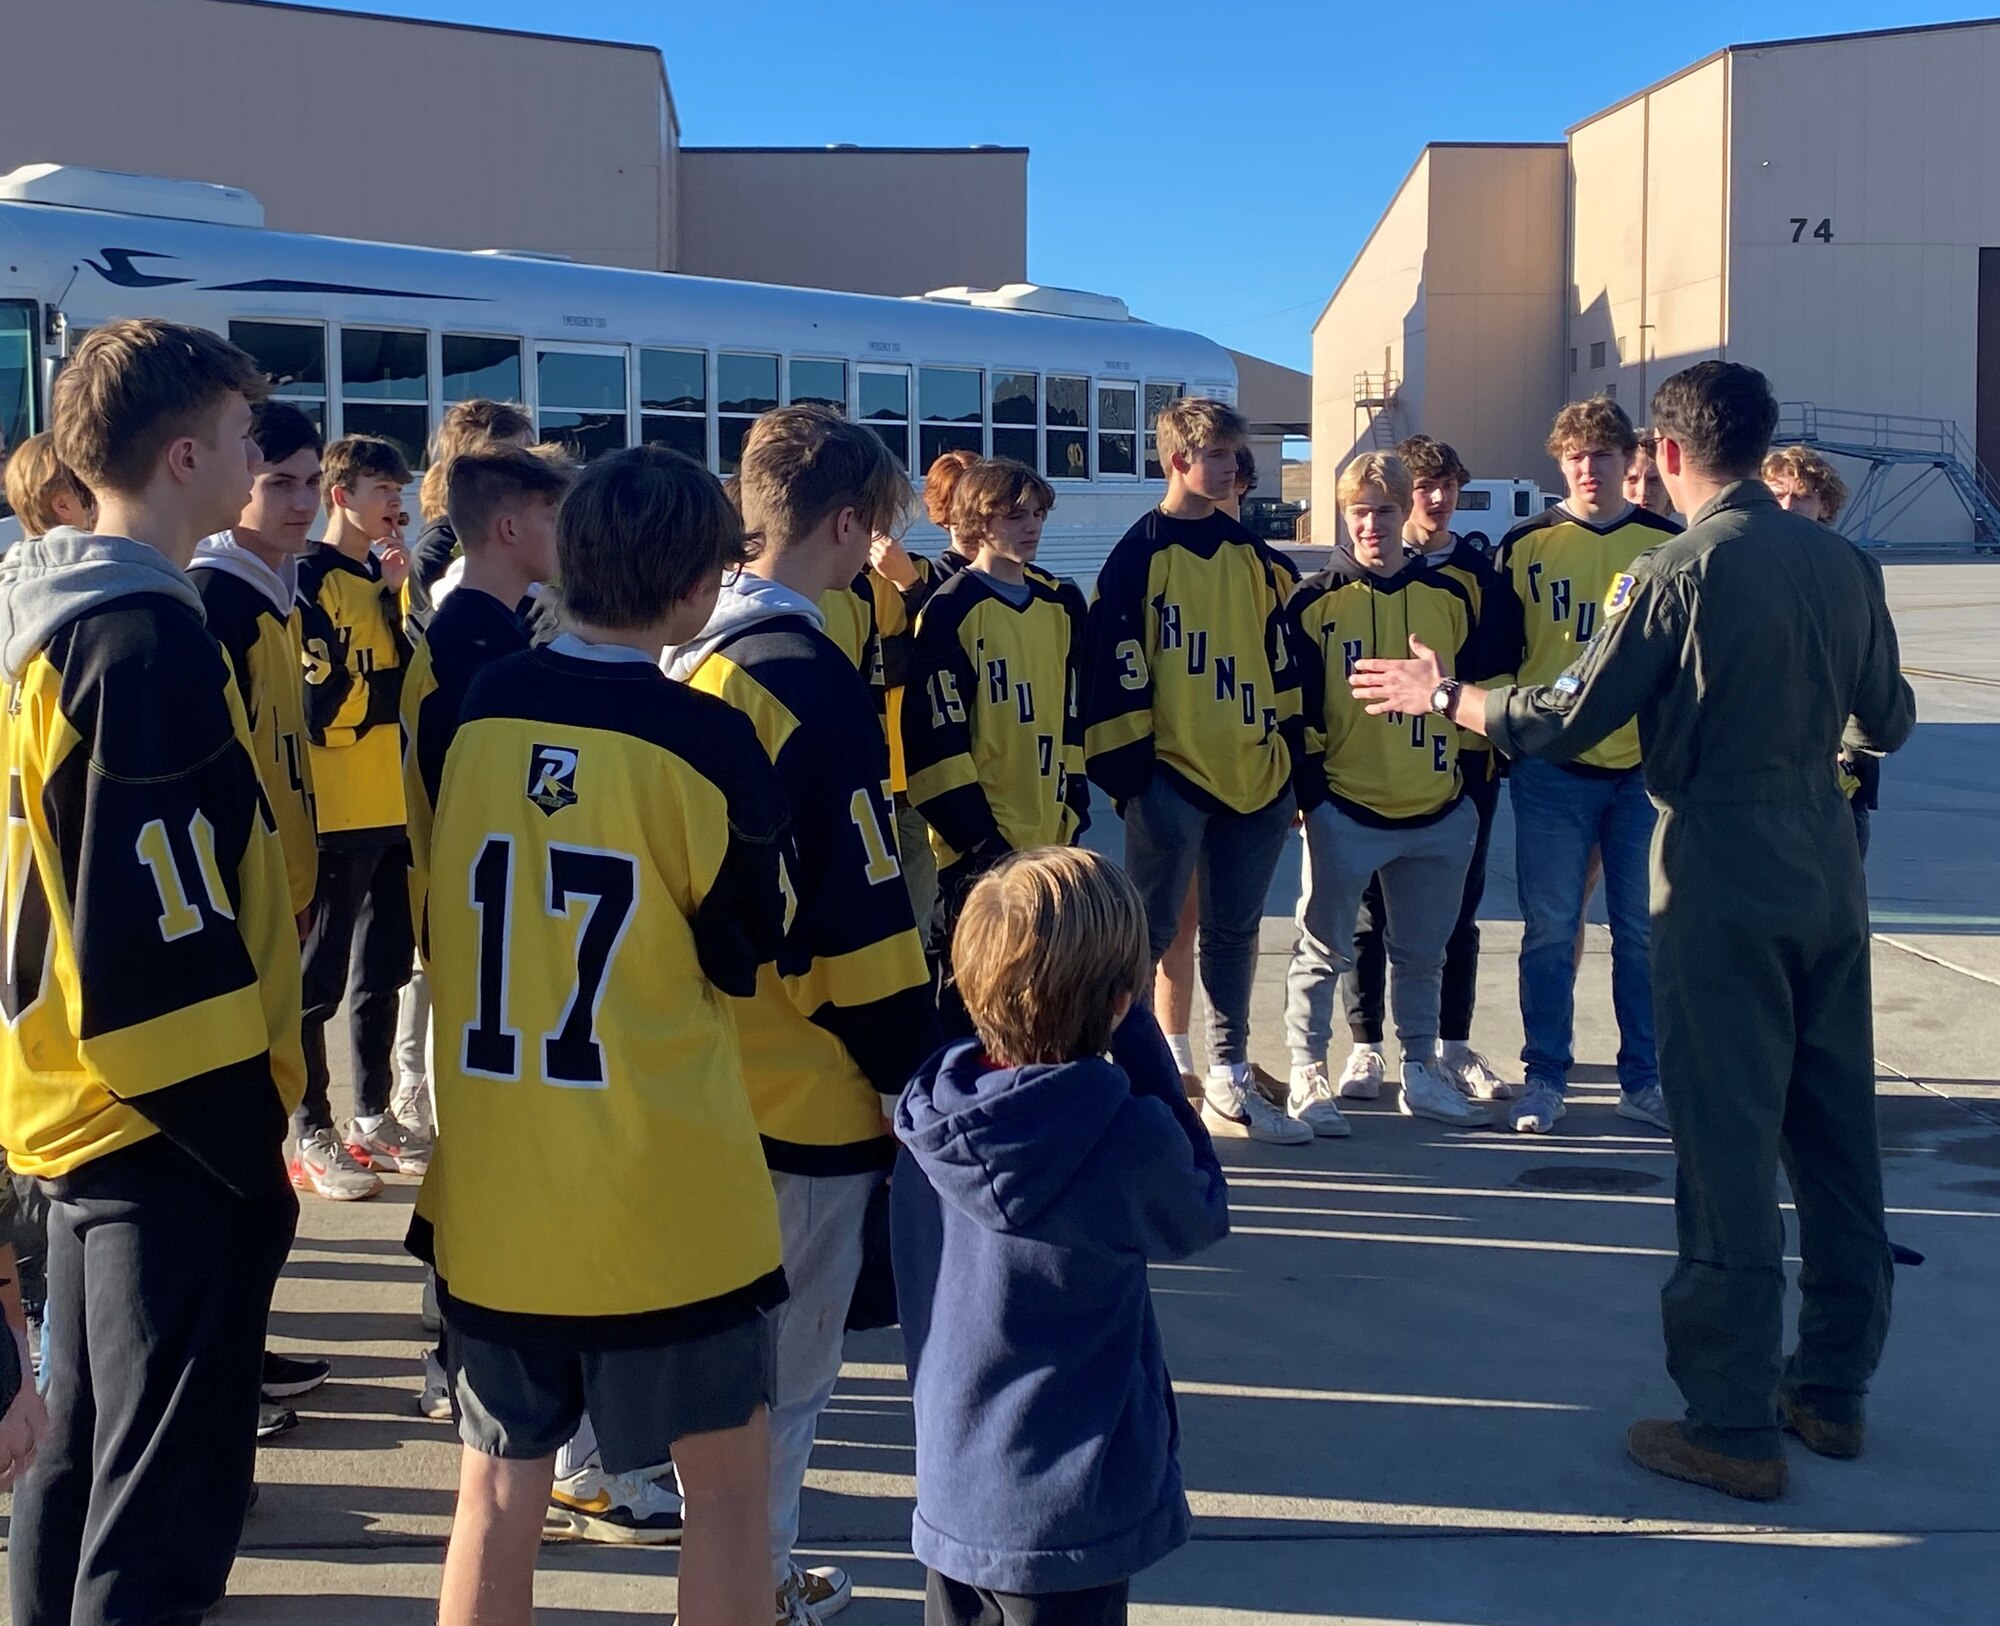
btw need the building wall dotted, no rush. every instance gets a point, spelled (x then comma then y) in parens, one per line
(357, 126)
(868, 220)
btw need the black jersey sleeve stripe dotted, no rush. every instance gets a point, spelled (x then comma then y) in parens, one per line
(1118, 678)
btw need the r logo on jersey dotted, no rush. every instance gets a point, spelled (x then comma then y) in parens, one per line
(1622, 589)
(552, 778)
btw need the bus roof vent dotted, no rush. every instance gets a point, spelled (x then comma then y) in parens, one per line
(1042, 301)
(112, 192)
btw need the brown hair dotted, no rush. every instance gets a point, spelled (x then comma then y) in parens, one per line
(803, 463)
(1187, 425)
(36, 477)
(1799, 464)
(1382, 470)
(466, 425)
(941, 480)
(641, 530)
(491, 480)
(1246, 469)
(1600, 421)
(991, 489)
(1429, 459)
(133, 387)
(354, 458)
(1046, 943)
(1722, 414)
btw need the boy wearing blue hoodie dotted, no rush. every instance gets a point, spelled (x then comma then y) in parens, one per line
(1037, 1179)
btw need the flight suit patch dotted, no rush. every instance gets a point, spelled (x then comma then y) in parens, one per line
(1622, 589)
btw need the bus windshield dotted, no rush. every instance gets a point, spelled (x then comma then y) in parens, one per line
(17, 373)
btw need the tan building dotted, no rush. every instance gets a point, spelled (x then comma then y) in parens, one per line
(1817, 208)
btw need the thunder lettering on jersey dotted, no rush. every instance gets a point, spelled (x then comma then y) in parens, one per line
(1188, 665)
(992, 724)
(1561, 568)
(355, 653)
(606, 861)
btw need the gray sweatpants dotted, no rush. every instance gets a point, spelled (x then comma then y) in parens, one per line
(1423, 883)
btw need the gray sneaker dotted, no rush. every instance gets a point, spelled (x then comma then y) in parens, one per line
(1647, 1106)
(1539, 1111)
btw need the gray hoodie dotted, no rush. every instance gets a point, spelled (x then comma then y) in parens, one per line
(46, 582)
(224, 553)
(745, 600)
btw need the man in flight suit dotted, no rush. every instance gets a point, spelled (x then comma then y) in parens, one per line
(1743, 646)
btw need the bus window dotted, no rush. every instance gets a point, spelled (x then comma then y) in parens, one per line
(744, 387)
(292, 355)
(885, 408)
(1158, 398)
(953, 413)
(481, 369)
(18, 350)
(673, 401)
(580, 400)
(385, 388)
(1016, 410)
(820, 383)
(1067, 416)
(1117, 430)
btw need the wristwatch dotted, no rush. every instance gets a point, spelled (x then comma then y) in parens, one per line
(1445, 696)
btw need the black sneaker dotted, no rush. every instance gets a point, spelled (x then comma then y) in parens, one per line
(275, 1420)
(286, 1378)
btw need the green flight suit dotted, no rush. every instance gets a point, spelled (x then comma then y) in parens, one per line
(1751, 648)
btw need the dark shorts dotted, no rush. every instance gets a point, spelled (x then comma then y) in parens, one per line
(953, 1603)
(525, 1402)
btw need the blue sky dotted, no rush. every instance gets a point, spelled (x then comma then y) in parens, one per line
(1215, 163)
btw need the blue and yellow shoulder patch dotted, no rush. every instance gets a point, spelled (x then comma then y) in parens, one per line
(1623, 586)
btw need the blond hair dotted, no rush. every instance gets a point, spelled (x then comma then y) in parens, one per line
(1194, 422)
(1598, 422)
(465, 427)
(36, 477)
(1047, 943)
(1385, 471)
(803, 463)
(1805, 467)
(991, 489)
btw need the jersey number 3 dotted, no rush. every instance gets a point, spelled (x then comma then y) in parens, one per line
(607, 886)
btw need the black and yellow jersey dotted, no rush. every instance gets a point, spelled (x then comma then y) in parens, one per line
(151, 983)
(896, 612)
(993, 730)
(261, 643)
(468, 632)
(1560, 568)
(845, 1017)
(1188, 667)
(355, 654)
(1390, 770)
(606, 873)
(1497, 613)
(849, 613)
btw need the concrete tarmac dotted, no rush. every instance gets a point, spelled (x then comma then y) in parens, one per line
(1405, 1378)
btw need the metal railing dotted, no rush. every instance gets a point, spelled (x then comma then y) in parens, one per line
(1888, 441)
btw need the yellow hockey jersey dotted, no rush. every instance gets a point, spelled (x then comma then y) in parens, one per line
(606, 874)
(1560, 569)
(355, 653)
(152, 976)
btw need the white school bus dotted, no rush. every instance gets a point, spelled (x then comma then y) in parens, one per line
(381, 339)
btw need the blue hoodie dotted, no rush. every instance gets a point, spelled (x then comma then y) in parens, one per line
(1025, 1205)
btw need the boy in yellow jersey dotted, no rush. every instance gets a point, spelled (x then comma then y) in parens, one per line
(1436, 474)
(150, 1050)
(902, 583)
(361, 942)
(1561, 564)
(1191, 712)
(994, 733)
(839, 1025)
(606, 871)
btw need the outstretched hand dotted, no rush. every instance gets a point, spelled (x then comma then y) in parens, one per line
(1399, 686)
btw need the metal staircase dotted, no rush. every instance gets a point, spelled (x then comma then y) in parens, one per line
(1892, 445)
(1375, 394)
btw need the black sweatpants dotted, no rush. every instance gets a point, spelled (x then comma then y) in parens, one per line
(1363, 988)
(954, 886)
(361, 945)
(161, 1283)
(954, 1603)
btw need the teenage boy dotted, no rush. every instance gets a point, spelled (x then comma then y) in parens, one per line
(361, 941)
(1047, 1446)
(1643, 486)
(614, 842)
(151, 1048)
(1437, 473)
(1191, 709)
(995, 739)
(1384, 797)
(45, 494)
(940, 488)
(837, 1029)
(1561, 564)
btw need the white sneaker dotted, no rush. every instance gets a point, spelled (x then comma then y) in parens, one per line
(1427, 1093)
(1475, 1076)
(1233, 1105)
(1361, 1078)
(825, 1590)
(1647, 1106)
(1311, 1102)
(410, 1106)
(1537, 1112)
(623, 1509)
(435, 1401)
(325, 1167)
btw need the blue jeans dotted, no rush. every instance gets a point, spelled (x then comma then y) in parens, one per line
(1559, 816)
